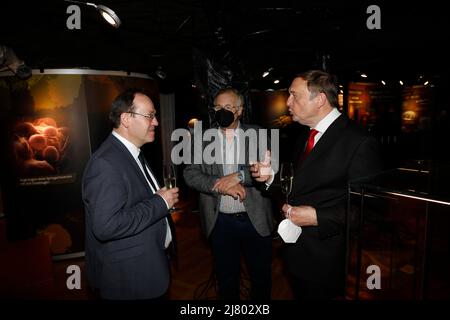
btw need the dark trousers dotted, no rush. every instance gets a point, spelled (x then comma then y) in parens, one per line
(231, 234)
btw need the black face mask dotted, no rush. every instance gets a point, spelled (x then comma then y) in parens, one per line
(224, 118)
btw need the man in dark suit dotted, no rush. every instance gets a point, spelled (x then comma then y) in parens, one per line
(332, 151)
(234, 214)
(126, 211)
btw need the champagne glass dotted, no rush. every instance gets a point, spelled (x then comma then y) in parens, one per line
(170, 178)
(286, 178)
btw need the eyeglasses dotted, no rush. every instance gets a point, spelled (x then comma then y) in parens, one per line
(227, 107)
(150, 116)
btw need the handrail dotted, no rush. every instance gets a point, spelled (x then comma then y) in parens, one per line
(404, 196)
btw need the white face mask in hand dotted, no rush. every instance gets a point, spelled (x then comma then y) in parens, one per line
(288, 231)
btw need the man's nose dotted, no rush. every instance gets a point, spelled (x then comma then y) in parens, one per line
(288, 102)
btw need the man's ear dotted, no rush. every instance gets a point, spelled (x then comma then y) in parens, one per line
(321, 99)
(240, 110)
(125, 119)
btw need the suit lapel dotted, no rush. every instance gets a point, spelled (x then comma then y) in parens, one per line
(326, 141)
(125, 153)
(218, 166)
(300, 147)
(246, 152)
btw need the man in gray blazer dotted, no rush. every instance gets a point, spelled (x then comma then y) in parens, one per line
(234, 214)
(126, 211)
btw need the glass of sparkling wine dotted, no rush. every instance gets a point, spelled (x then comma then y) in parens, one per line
(170, 178)
(286, 178)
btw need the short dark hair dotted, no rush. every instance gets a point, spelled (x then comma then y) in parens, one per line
(319, 81)
(123, 103)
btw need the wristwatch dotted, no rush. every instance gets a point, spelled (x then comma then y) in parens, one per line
(241, 176)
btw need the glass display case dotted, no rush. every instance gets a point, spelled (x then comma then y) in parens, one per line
(399, 235)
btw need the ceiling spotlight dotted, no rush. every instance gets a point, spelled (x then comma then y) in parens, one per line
(401, 82)
(383, 82)
(266, 73)
(426, 83)
(363, 75)
(276, 81)
(109, 15)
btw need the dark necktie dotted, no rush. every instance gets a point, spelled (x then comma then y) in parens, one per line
(145, 167)
(310, 144)
(172, 248)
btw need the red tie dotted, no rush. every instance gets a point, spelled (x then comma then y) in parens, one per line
(310, 145)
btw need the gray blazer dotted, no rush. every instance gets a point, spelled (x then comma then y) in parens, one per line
(125, 227)
(202, 177)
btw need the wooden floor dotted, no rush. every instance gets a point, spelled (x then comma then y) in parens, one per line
(192, 277)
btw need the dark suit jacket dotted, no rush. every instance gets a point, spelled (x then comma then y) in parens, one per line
(202, 177)
(125, 227)
(342, 154)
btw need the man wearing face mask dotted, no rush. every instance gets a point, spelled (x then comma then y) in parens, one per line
(235, 216)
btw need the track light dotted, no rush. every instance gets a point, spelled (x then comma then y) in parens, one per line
(109, 15)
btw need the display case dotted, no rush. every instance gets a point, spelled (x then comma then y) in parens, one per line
(399, 235)
(50, 124)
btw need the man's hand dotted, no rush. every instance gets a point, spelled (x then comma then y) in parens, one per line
(224, 183)
(301, 215)
(170, 195)
(262, 171)
(237, 192)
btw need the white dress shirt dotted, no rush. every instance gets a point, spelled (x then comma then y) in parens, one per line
(323, 124)
(230, 155)
(321, 127)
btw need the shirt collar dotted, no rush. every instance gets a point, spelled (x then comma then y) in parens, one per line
(129, 145)
(235, 132)
(323, 124)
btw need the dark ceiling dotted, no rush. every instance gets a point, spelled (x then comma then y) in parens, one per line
(248, 37)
